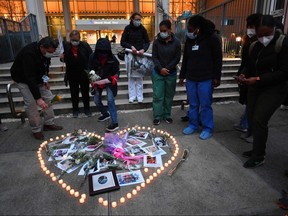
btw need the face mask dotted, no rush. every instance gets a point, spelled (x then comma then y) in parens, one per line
(251, 32)
(75, 43)
(266, 40)
(136, 23)
(191, 36)
(164, 35)
(48, 55)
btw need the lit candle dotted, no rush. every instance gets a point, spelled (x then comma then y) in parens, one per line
(169, 161)
(54, 178)
(138, 188)
(72, 191)
(146, 169)
(52, 174)
(114, 204)
(158, 131)
(151, 177)
(57, 138)
(172, 158)
(64, 185)
(134, 192)
(83, 196)
(47, 172)
(162, 168)
(143, 185)
(143, 128)
(122, 200)
(62, 136)
(81, 200)
(60, 181)
(158, 171)
(100, 200)
(68, 188)
(44, 169)
(166, 164)
(175, 154)
(51, 139)
(149, 128)
(154, 174)
(147, 181)
(129, 195)
(105, 203)
(76, 194)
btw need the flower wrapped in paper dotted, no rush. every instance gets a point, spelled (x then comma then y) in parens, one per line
(55, 99)
(93, 76)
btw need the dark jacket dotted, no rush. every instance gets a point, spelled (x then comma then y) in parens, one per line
(29, 67)
(135, 36)
(110, 69)
(75, 67)
(272, 68)
(244, 60)
(166, 54)
(204, 63)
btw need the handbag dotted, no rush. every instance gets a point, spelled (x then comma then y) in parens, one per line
(121, 55)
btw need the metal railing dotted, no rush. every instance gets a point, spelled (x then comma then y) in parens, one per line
(15, 35)
(15, 113)
(230, 19)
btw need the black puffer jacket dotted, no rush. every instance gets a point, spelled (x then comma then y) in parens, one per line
(110, 69)
(75, 67)
(272, 68)
(29, 67)
(135, 36)
(204, 63)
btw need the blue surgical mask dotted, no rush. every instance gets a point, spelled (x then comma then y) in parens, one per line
(191, 36)
(136, 23)
(164, 35)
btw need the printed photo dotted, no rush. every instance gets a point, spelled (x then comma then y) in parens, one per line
(68, 165)
(160, 142)
(134, 142)
(136, 150)
(140, 135)
(152, 161)
(154, 150)
(59, 154)
(129, 178)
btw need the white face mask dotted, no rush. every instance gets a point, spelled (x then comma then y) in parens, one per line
(191, 36)
(136, 23)
(48, 55)
(251, 32)
(75, 43)
(266, 40)
(164, 35)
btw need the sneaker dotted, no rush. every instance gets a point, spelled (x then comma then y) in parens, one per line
(254, 162)
(156, 122)
(247, 154)
(104, 117)
(239, 128)
(169, 120)
(112, 127)
(205, 135)
(131, 100)
(185, 118)
(3, 128)
(38, 136)
(52, 127)
(75, 114)
(188, 130)
(283, 107)
(88, 113)
(140, 101)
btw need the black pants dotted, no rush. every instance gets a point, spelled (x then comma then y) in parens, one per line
(74, 84)
(261, 105)
(285, 103)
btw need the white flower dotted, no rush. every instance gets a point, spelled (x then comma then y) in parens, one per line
(92, 73)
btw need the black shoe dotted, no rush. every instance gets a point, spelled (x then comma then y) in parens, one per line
(75, 114)
(156, 122)
(254, 162)
(88, 113)
(185, 118)
(169, 120)
(112, 127)
(104, 117)
(247, 154)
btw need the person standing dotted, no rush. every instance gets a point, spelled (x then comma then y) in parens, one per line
(76, 55)
(105, 65)
(166, 54)
(266, 76)
(30, 72)
(135, 37)
(201, 67)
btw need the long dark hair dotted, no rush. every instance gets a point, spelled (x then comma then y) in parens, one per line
(205, 26)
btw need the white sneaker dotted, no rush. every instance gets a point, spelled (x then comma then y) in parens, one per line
(283, 107)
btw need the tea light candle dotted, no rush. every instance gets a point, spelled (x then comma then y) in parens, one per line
(62, 136)
(44, 169)
(81, 200)
(175, 154)
(158, 131)
(100, 200)
(122, 200)
(146, 169)
(57, 138)
(54, 178)
(149, 128)
(166, 164)
(52, 174)
(151, 177)
(60, 181)
(169, 161)
(68, 188)
(72, 191)
(129, 195)
(64, 185)
(143, 185)
(134, 192)
(47, 172)
(158, 171)
(154, 174)
(114, 204)
(83, 196)
(138, 188)
(147, 181)
(51, 139)
(76, 194)
(162, 168)
(105, 203)
(172, 158)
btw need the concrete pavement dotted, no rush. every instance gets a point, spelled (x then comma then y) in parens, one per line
(211, 182)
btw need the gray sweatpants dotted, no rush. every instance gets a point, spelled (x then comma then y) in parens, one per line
(31, 107)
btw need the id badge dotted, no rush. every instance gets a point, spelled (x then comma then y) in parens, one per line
(195, 47)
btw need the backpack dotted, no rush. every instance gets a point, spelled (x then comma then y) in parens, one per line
(278, 44)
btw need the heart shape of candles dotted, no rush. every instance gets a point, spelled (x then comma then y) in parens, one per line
(150, 177)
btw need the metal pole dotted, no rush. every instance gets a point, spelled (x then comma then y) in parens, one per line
(8, 40)
(67, 18)
(223, 20)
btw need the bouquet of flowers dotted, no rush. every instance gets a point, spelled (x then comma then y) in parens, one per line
(55, 99)
(93, 77)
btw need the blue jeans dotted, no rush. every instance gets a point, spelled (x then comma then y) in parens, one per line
(110, 101)
(244, 119)
(200, 104)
